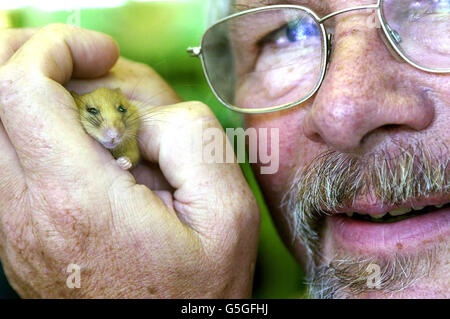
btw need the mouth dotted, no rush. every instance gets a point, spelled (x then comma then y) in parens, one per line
(378, 228)
(110, 145)
(398, 214)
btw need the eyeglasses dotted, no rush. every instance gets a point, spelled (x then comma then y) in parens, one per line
(275, 57)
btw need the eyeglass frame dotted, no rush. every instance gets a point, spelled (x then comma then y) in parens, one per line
(197, 52)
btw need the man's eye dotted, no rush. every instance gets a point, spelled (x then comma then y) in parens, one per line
(298, 31)
(93, 110)
(121, 109)
(294, 32)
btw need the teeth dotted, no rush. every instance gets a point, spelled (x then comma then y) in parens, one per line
(395, 212)
(399, 211)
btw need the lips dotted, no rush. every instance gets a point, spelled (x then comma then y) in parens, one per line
(110, 145)
(379, 228)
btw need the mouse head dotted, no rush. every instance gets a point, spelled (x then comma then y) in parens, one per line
(108, 116)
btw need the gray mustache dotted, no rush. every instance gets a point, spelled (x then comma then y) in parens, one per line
(335, 179)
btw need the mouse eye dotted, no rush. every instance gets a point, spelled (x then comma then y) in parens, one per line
(121, 109)
(92, 110)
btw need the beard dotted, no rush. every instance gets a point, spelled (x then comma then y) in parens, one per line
(334, 180)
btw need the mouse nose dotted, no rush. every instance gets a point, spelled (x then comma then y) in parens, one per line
(112, 136)
(112, 133)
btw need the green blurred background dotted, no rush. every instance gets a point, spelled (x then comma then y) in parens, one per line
(158, 33)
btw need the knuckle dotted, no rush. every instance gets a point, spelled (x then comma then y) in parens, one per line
(56, 28)
(251, 211)
(199, 107)
(194, 110)
(187, 113)
(57, 32)
(239, 225)
(248, 216)
(244, 219)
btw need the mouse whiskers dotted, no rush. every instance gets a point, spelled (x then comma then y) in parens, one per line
(148, 116)
(94, 121)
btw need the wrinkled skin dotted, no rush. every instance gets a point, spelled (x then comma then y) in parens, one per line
(174, 229)
(351, 114)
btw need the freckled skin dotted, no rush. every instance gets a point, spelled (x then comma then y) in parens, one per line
(125, 121)
(365, 89)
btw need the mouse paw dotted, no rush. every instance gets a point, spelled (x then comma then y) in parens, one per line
(124, 163)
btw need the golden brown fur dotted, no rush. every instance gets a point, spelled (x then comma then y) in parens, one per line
(112, 120)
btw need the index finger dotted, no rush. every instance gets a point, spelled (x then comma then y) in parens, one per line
(60, 52)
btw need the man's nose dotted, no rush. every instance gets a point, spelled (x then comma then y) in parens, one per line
(364, 90)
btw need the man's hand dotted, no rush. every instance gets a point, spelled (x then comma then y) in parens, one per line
(179, 228)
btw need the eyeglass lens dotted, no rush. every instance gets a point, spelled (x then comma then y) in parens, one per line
(421, 30)
(276, 57)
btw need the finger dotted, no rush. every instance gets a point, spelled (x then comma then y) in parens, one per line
(205, 193)
(60, 51)
(150, 175)
(11, 40)
(137, 81)
(38, 114)
(166, 198)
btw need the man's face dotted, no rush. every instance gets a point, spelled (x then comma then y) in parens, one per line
(373, 140)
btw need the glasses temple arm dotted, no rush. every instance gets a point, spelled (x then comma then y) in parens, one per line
(194, 52)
